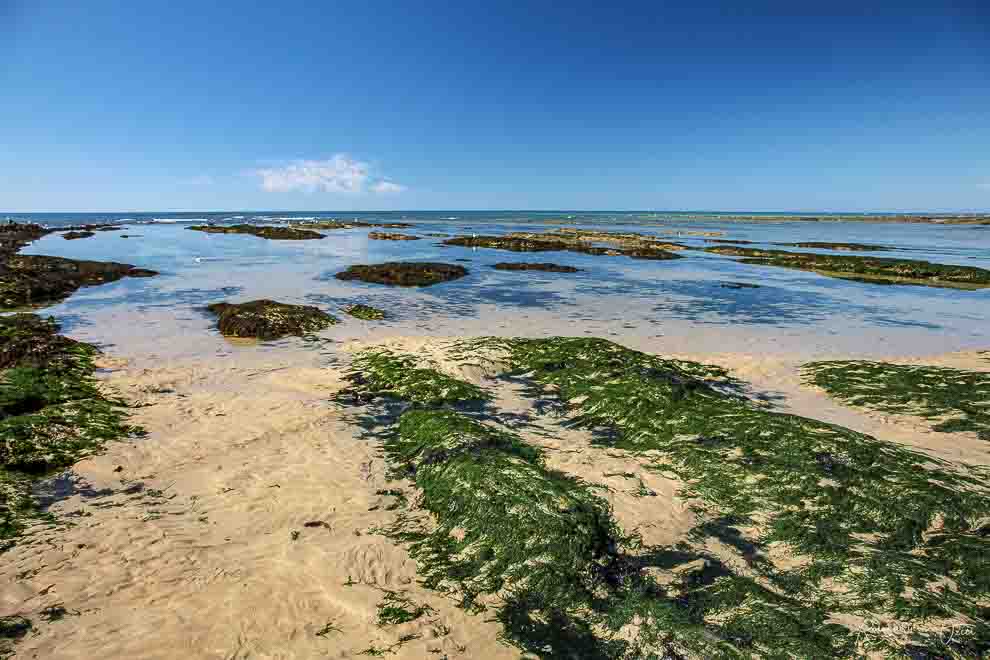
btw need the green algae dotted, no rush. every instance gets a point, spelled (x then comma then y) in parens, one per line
(261, 231)
(873, 270)
(842, 247)
(958, 400)
(546, 553)
(882, 531)
(381, 372)
(268, 319)
(388, 236)
(397, 608)
(544, 267)
(365, 312)
(52, 412)
(553, 242)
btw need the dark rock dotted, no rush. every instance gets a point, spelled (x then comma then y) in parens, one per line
(74, 235)
(261, 231)
(548, 267)
(27, 280)
(404, 273)
(27, 340)
(267, 319)
(385, 236)
(843, 247)
(739, 285)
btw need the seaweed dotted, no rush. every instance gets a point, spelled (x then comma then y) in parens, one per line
(381, 372)
(550, 551)
(33, 280)
(959, 400)
(396, 608)
(883, 531)
(261, 231)
(52, 413)
(365, 312)
(842, 247)
(267, 319)
(872, 270)
(560, 242)
(399, 273)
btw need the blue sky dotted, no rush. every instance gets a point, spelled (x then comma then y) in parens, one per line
(379, 105)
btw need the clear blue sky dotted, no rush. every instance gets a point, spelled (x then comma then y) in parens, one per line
(379, 105)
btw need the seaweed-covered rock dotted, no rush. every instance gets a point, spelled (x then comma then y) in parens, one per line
(404, 273)
(547, 267)
(75, 235)
(873, 270)
(386, 236)
(52, 412)
(261, 231)
(267, 319)
(619, 245)
(365, 312)
(27, 280)
(842, 247)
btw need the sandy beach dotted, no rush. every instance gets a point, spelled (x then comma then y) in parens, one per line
(244, 523)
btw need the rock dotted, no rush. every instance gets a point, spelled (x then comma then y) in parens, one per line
(269, 232)
(27, 280)
(399, 273)
(268, 319)
(548, 267)
(74, 235)
(385, 236)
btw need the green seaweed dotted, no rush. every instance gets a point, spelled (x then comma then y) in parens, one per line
(52, 412)
(261, 231)
(959, 399)
(396, 608)
(381, 372)
(365, 312)
(567, 580)
(883, 530)
(872, 270)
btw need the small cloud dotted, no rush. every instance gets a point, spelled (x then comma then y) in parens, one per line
(340, 174)
(387, 187)
(202, 180)
(985, 186)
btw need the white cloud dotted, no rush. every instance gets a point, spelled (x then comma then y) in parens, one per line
(340, 174)
(985, 186)
(386, 187)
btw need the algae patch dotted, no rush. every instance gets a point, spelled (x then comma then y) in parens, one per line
(365, 312)
(261, 231)
(399, 273)
(958, 400)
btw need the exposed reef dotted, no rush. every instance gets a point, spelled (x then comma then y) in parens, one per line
(637, 246)
(261, 231)
(404, 273)
(954, 400)
(268, 319)
(386, 236)
(32, 280)
(873, 270)
(75, 235)
(365, 312)
(548, 267)
(842, 247)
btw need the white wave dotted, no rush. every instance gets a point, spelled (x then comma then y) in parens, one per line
(174, 220)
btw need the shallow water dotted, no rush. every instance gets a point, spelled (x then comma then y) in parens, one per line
(681, 306)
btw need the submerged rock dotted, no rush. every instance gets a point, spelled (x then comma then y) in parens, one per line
(365, 312)
(261, 231)
(350, 224)
(547, 267)
(403, 273)
(268, 319)
(872, 270)
(74, 235)
(385, 236)
(739, 285)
